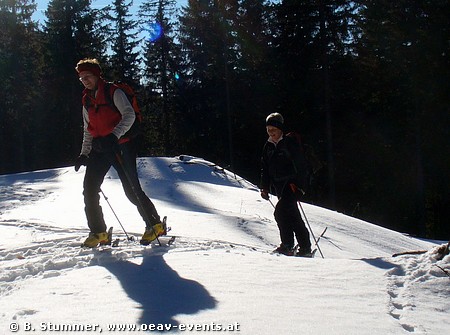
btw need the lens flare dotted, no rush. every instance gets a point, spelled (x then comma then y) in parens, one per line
(154, 31)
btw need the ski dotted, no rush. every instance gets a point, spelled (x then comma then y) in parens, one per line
(295, 251)
(282, 253)
(313, 252)
(308, 255)
(162, 240)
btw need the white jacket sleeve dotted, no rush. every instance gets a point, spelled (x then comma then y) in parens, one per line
(87, 137)
(126, 110)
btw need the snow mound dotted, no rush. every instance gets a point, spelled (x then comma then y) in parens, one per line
(220, 271)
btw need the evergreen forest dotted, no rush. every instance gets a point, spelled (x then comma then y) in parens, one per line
(365, 83)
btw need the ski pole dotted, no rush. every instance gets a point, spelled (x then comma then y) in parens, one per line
(306, 219)
(106, 198)
(294, 189)
(133, 187)
(321, 235)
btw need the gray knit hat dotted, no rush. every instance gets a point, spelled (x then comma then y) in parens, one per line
(275, 120)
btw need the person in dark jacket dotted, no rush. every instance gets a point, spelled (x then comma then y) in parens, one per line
(106, 144)
(284, 173)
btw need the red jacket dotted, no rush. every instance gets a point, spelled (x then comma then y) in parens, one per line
(103, 118)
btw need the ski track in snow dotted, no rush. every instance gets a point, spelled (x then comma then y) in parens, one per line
(51, 258)
(22, 189)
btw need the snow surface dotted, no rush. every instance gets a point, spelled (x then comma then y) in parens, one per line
(220, 271)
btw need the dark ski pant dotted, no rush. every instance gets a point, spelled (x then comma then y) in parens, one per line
(98, 166)
(290, 221)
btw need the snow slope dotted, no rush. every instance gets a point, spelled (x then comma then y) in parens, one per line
(220, 271)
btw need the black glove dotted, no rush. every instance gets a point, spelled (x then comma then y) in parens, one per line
(106, 144)
(265, 194)
(81, 160)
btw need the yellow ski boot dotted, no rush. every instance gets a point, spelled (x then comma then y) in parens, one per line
(152, 233)
(94, 239)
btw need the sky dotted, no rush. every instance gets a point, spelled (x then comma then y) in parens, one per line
(43, 4)
(219, 272)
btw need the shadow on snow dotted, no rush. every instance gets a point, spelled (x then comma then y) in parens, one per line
(160, 179)
(160, 291)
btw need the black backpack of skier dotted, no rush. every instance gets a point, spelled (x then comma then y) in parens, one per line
(314, 163)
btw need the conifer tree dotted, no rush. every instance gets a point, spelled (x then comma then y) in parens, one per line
(254, 91)
(162, 70)
(124, 60)
(311, 41)
(71, 34)
(208, 38)
(403, 53)
(20, 74)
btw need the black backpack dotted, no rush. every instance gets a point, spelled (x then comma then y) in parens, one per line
(314, 163)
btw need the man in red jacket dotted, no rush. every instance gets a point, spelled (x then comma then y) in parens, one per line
(106, 144)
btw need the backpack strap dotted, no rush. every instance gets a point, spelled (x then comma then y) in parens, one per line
(110, 88)
(86, 101)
